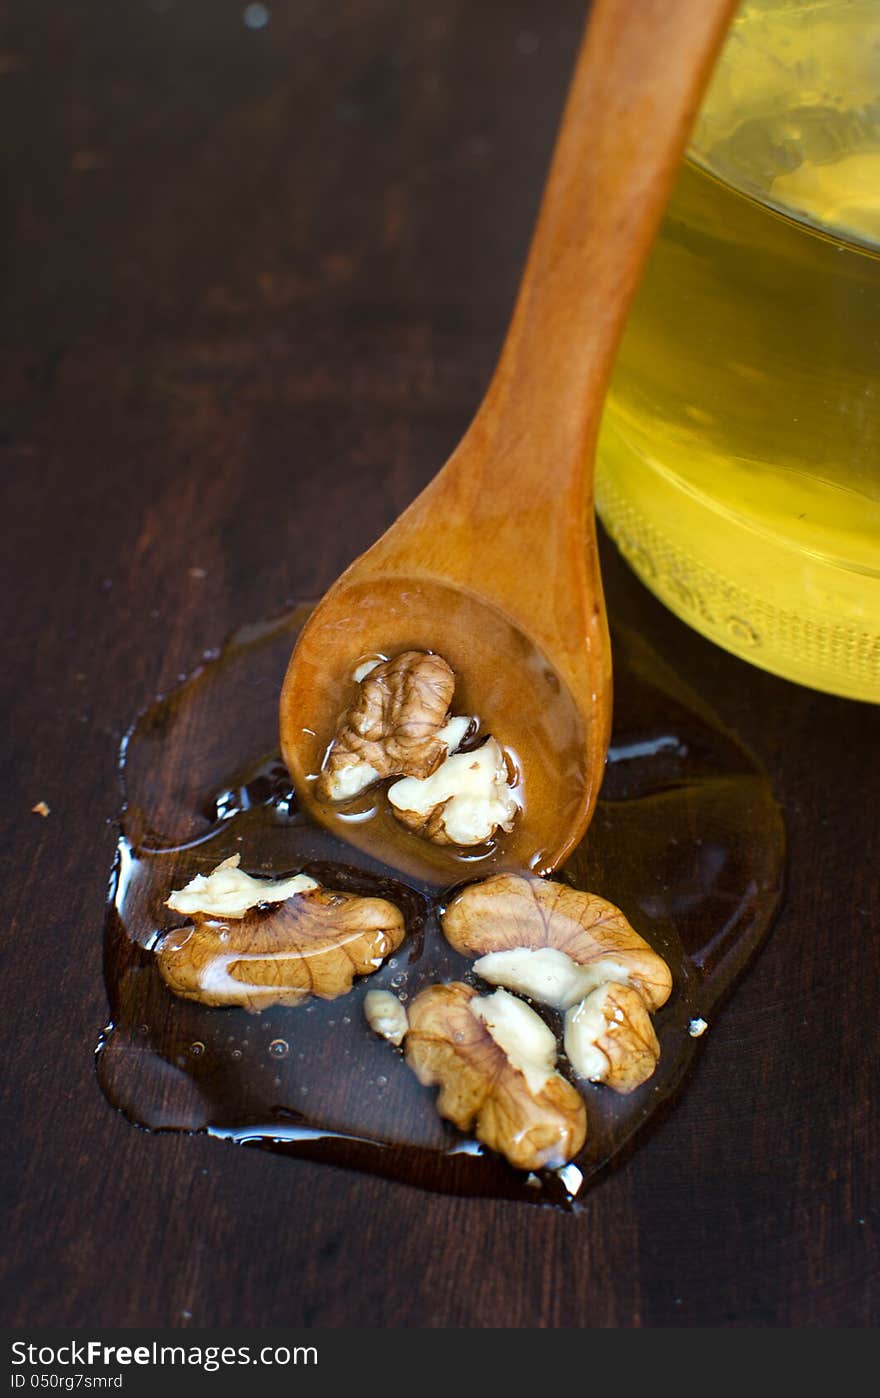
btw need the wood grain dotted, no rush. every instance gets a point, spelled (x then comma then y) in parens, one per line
(257, 276)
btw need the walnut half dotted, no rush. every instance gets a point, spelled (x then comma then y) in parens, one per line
(392, 726)
(520, 916)
(311, 942)
(493, 1059)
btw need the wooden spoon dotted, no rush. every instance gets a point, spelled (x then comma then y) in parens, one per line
(494, 566)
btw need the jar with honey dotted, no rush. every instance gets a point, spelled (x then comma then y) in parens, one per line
(739, 456)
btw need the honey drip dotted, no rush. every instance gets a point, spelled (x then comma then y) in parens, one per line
(686, 839)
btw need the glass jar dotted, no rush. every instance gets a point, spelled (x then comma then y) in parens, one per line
(739, 457)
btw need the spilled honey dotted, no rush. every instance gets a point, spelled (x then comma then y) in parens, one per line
(687, 840)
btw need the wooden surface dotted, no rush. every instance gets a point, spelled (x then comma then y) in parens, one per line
(257, 282)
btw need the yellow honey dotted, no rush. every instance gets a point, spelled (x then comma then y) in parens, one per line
(739, 457)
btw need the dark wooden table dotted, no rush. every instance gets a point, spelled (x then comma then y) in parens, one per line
(257, 279)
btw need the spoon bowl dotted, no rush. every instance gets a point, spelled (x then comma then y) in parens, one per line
(494, 566)
(555, 740)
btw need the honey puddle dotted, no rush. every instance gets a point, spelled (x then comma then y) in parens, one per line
(687, 840)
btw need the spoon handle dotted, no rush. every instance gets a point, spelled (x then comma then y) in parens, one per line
(516, 497)
(637, 84)
(510, 516)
